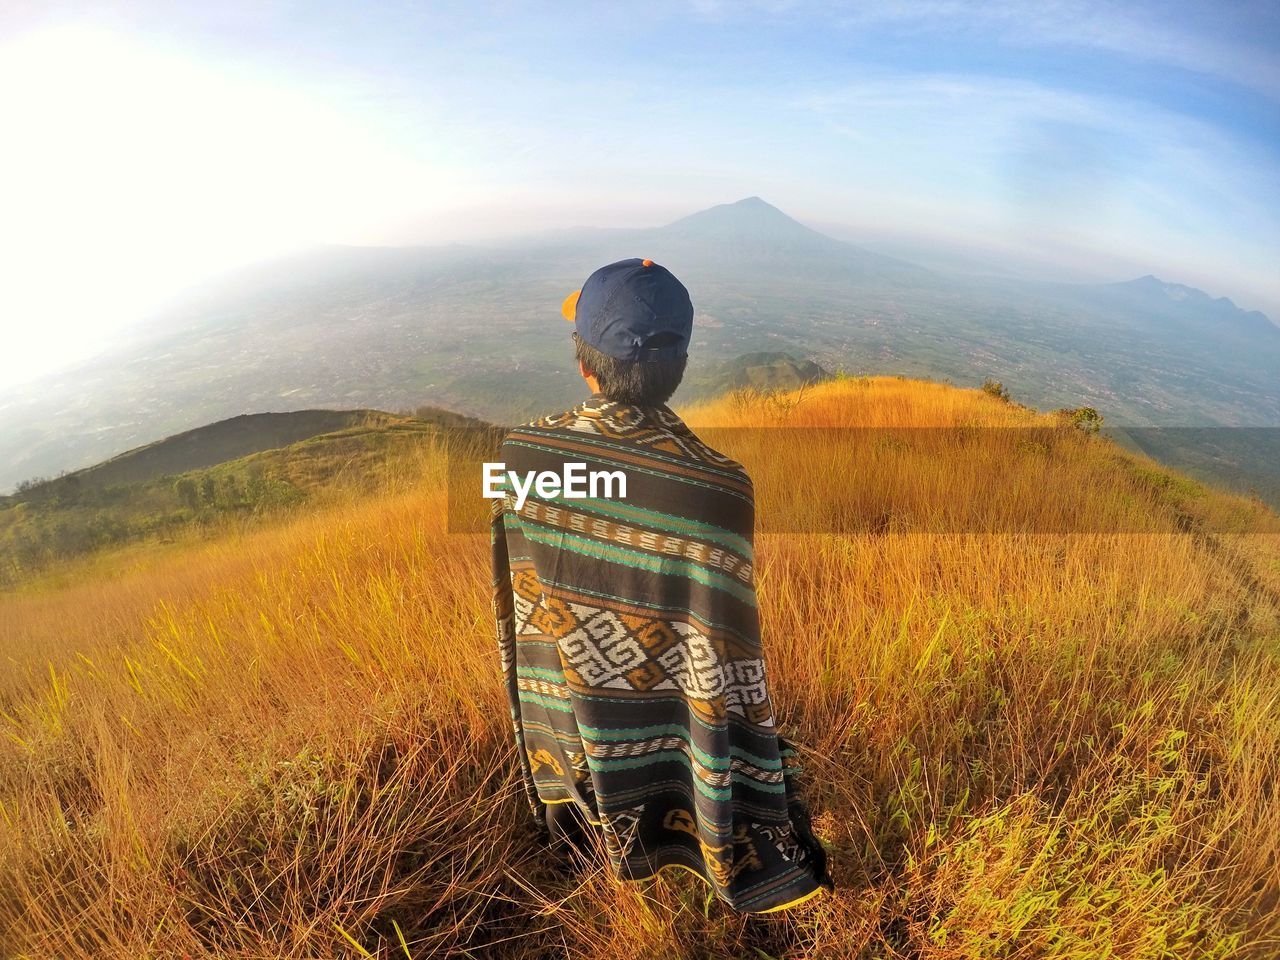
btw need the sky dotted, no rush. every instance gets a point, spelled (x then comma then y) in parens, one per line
(150, 145)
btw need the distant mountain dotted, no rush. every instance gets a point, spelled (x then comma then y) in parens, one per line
(751, 224)
(1189, 304)
(754, 232)
(478, 330)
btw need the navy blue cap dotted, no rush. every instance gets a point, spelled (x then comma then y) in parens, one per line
(633, 310)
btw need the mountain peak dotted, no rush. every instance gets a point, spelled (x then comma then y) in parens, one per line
(754, 230)
(750, 216)
(753, 207)
(1174, 291)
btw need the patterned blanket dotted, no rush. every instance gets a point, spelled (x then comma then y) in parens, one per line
(629, 641)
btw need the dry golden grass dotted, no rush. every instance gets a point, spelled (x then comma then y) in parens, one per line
(292, 742)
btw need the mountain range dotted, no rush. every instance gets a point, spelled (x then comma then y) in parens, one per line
(477, 330)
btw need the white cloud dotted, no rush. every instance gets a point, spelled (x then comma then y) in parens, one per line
(1224, 40)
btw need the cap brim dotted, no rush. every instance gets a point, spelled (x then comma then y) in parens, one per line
(570, 306)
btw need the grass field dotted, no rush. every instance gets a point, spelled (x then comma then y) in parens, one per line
(291, 741)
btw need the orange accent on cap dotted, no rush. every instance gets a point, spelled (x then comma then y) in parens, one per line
(570, 306)
(646, 263)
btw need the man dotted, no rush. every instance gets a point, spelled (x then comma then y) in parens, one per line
(627, 622)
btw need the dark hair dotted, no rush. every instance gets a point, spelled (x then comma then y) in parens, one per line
(642, 383)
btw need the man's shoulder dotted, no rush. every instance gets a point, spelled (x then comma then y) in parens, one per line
(542, 428)
(700, 445)
(541, 424)
(553, 421)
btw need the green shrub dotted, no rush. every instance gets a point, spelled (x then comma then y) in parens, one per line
(1087, 419)
(994, 388)
(187, 493)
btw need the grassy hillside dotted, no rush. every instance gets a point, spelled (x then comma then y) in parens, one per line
(290, 741)
(218, 442)
(158, 492)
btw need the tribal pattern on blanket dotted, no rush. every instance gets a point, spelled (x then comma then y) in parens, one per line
(629, 641)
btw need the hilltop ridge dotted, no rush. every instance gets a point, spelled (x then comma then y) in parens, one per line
(250, 469)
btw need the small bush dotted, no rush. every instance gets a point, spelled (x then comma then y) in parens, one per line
(994, 388)
(187, 493)
(1087, 419)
